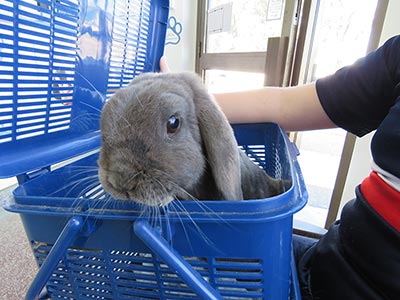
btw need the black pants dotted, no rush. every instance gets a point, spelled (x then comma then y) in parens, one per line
(357, 259)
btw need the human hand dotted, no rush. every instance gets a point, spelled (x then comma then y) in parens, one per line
(163, 65)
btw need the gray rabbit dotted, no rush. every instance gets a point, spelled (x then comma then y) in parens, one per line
(165, 138)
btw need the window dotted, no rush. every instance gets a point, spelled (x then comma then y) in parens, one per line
(337, 34)
(341, 34)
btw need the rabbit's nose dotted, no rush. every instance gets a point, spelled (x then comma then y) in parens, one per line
(122, 192)
(112, 181)
(116, 184)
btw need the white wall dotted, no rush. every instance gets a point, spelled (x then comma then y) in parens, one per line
(181, 57)
(361, 160)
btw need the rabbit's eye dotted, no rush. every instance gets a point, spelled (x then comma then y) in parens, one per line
(173, 124)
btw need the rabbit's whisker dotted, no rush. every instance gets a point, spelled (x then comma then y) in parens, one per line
(92, 86)
(137, 98)
(167, 194)
(172, 182)
(120, 116)
(201, 205)
(183, 225)
(133, 177)
(168, 225)
(71, 186)
(178, 187)
(209, 211)
(197, 227)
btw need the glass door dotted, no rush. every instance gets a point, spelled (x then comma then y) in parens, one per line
(340, 34)
(322, 37)
(233, 51)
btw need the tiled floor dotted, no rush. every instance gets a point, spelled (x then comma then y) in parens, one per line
(18, 267)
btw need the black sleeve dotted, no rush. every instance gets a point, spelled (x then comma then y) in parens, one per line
(358, 258)
(358, 97)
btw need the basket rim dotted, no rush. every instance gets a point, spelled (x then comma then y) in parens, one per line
(272, 208)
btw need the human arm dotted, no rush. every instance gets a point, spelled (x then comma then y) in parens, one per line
(356, 98)
(293, 108)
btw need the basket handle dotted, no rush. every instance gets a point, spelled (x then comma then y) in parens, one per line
(161, 247)
(295, 293)
(67, 236)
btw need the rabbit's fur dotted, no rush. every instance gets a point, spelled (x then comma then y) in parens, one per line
(141, 161)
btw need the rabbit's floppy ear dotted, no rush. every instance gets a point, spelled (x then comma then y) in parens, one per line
(219, 141)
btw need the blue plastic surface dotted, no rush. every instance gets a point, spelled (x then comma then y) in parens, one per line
(67, 236)
(59, 62)
(241, 248)
(161, 247)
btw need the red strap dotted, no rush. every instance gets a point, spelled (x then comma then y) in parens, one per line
(384, 199)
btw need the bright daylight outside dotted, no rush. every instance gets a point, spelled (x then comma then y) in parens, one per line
(341, 34)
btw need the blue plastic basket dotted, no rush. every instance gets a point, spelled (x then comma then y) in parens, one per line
(229, 249)
(90, 248)
(59, 62)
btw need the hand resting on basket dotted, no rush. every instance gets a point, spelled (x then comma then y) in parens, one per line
(165, 138)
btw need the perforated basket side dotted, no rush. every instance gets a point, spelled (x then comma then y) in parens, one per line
(59, 63)
(114, 274)
(129, 42)
(38, 60)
